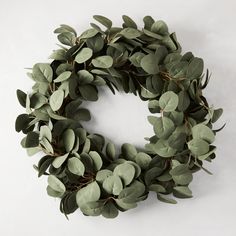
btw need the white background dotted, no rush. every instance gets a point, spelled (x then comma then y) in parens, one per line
(206, 27)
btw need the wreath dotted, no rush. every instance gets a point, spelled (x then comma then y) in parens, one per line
(84, 170)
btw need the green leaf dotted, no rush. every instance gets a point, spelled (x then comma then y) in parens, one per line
(63, 76)
(157, 188)
(111, 151)
(113, 185)
(90, 193)
(150, 64)
(179, 170)
(110, 211)
(195, 68)
(102, 62)
(168, 101)
(21, 97)
(126, 172)
(83, 55)
(22, 122)
(42, 72)
(85, 77)
(88, 34)
(56, 184)
(45, 132)
(143, 160)
(183, 179)
(201, 131)
(129, 151)
(203, 157)
(162, 148)
(69, 139)
(216, 115)
(32, 139)
(58, 161)
(97, 160)
(67, 38)
(183, 190)
(76, 166)
(163, 127)
(96, 43)
(92, 208)
(130, 33)
(37, 100)
(56, 100)
(103, 174)
(136, 58)
(184, 101)
(198, 147)
(165, 199)
(160, 27)
(88, 92)
(59, 55)
(128, 22)
(103, 20)
(47, 145)
(177, 140)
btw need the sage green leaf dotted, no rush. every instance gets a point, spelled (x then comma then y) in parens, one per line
(177, 140)
(111, 151)
(21, 97)
(169, 101)
(42, 72)
(136, 58)
(147, 94)
(67, 38)
(128, 22)
(37, 100)
(195, 68)
(90, 193)
(203, 157)
(165, 199)
(76, 166)
(56, 184)
(126, 172)
(92, 208)
(179, 170)
(88, 34)
(183, 190)
(150, 64)
(184, 101)
(216, 115)
(97, 160)
(56, 100)
(162, 148)
(129, 151)
(163, 127)
(157, 188)
(22, 122)
(81, 114)
(103, 20)
(130, 33)
(201, 131)
(85, 77)
(110, 211)
(58, 161)
(103, 62)
(198, 147)
(47, 145)
(148, 22)
(59, 55)
(96, 43)
(125, 206)
(52, 193)
(113, 185)
(69, 139)
(45, 132)
(83, 55)
(160, 27)
(32, 139)
(143, 160)
(102, 175)
(183, 179)
(89, 92)
(65, 28)
(63, 76)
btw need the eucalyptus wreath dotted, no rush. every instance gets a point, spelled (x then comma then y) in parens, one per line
(86, 171)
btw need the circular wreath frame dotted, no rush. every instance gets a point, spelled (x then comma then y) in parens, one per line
(84, 170)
